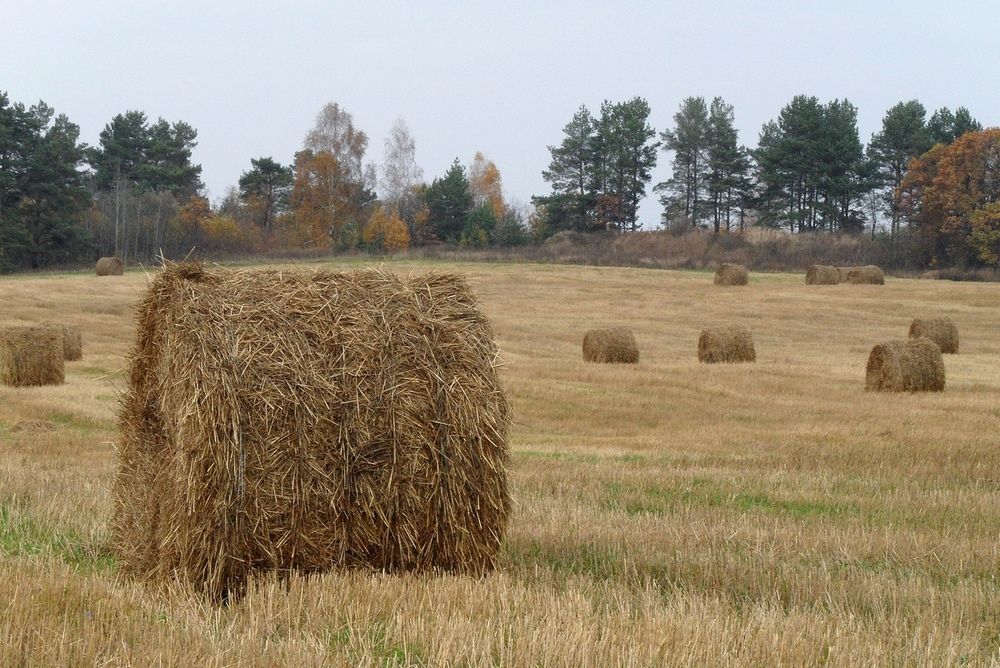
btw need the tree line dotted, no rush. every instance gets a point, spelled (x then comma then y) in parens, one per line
(928, 183)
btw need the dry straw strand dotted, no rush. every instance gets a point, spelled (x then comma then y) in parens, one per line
(280, 421)
(914, 365)
(109, 266)
(941, 331)
(612, 345)
(869, 275)
(821, 274)
(31, 356)
(732, 274)
(726, 344)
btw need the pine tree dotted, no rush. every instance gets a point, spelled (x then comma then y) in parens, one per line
(684, 193)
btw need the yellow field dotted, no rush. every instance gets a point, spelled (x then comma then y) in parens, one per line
(665, 513)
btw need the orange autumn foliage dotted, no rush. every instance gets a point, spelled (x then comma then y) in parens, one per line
(950, 194)
(386, 230)
(486, 185)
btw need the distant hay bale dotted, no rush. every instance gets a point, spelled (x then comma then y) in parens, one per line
(613, 345)
(820, 274)
(914, 365)
(941, 331)
(109, 266)
(277, 421)
(31, 356)
(870, 275)
(72, 343)
(726, 344)
(842, 273)
(731, 274)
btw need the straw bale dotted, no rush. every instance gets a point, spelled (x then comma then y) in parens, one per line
(820, 274)
(870, 275)
(731, 274)
(613, 345)
(277, 421)
(941, 331)
(31, 356)
(110, 266)
(72, 342)
(726, 344)
(914, 365)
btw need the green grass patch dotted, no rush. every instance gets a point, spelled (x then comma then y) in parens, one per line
(657, 500)
(21, 534)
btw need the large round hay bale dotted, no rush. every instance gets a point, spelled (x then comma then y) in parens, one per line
(280, 421)
(31, 356)
(732, 274)
(941, 331)
(109, 266)
(821, 274)
(914, 365)
(616, 344)
(726, 344)
(72, 342)
(870, 275)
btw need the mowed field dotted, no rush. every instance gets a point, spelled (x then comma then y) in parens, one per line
(665, 513)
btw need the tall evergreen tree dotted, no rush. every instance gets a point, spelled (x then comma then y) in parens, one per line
(266, 189)
(727, 164)
(629, 150)
(42, 193)
(683, 194)
(904, 136)
(449, 202)
(945, 126)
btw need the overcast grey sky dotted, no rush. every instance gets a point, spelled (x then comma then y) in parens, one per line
(501, 77)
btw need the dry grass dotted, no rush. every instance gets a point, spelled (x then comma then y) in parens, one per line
(109, 266)
(665, 513)
(733, 343)
(912, 365)
(731, 274)
(941, 331)
(31, 355)
(820, 274)
(612, 345)
(868, 275)
(302, 421)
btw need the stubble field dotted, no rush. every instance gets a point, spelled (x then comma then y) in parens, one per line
(666, 513)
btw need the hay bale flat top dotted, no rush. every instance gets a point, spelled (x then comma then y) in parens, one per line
(819, 274)
(914, 365)
(278, 420)
(869, 275)
(732, 274)
(726, 344)
(31, 356)
(612, 345)
(941, 331)
(109, 266)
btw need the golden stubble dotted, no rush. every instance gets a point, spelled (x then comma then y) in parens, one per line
(667, 512)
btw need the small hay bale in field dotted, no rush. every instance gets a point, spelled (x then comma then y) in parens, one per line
(278, 421)
(821, 274)
(914, 365)
(941, 331)
(616, 344)
(31, 356)
(109, 266)
(72, 343)
(726, 344)
(869, 275)
(732, 274)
